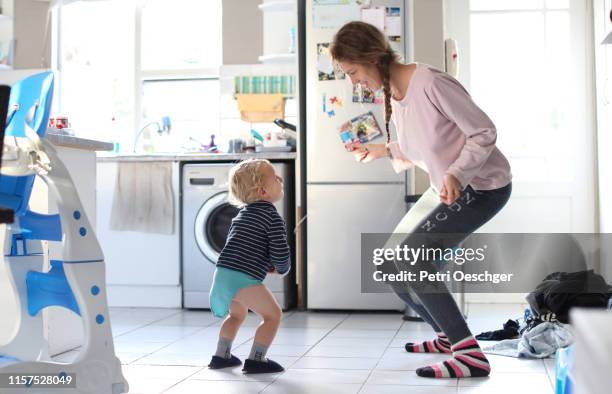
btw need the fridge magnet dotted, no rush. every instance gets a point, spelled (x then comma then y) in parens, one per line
(331, 113)
(359, 130)
(335, 102)
(362, 94)
(324, 103)
(325, 66)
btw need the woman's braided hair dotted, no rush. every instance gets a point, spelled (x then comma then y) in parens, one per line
(362, 43)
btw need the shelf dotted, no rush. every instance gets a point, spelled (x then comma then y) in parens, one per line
(280, 58)
(5, 17)
(285, 5)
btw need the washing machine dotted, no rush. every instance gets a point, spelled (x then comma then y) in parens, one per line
(206, 219)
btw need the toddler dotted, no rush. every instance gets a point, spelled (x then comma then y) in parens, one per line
(256, 245)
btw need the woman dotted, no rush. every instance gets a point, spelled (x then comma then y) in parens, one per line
(441, 130)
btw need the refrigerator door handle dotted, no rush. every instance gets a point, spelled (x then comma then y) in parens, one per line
(412, 198)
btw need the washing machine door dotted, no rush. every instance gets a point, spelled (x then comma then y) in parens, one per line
(212, 225)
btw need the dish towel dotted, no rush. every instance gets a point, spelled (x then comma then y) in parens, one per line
(143, 200)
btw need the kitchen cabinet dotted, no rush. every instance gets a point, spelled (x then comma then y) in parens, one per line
(142, 269)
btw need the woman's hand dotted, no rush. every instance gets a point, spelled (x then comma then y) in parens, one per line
(368, 152)
(451, 190)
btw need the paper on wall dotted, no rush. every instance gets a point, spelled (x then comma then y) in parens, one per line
(394, 22)
(332, 16)
(374, 16)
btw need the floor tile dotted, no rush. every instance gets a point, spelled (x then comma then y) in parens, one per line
(131, 346)
(286, 387)
(512, 364)
(196, 360)
(128, 358)
(324, 375)
(402, 389)
(195, 386)
(137, 372)
(361, 333)
(336, 341)
(336, 363)
(150, 385)
(520, 381)
(157, 333)
(408, 378)
(189, 318)
(233, 374)
(346, 351)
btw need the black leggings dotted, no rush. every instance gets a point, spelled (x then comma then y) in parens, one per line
(452, 223)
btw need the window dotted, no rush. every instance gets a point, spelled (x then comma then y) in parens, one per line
(528, 64)
(125, 63)
(520, 54)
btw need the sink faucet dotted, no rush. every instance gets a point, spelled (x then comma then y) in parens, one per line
(162, 128)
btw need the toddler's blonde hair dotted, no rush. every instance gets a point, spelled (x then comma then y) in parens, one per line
(245, 178)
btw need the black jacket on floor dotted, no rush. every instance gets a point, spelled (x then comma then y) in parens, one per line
(561, 291)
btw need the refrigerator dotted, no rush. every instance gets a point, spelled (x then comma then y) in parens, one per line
(344, 198)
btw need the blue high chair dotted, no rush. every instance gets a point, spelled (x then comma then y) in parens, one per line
(77, 282)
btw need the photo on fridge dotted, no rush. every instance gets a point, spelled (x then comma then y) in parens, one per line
(359, 130)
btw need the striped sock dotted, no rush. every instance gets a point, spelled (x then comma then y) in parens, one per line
(468, 361)
(438, 345)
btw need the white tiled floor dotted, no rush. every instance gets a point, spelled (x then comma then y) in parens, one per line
(167, 350)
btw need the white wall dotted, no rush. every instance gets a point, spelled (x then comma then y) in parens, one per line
(428, 42)
(31, 50)
(242, 31)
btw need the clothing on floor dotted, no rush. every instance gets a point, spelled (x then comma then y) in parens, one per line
(473, 209)
(509, 331)
(532, 320)
(257, 238)
(541, 341)
(561, 291)
(143, 199)
(467, 361)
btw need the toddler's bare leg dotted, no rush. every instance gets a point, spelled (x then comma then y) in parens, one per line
(234, 320)
(261, 301)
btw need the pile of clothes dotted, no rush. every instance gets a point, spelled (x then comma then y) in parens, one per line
(561, 291)
(545, 327)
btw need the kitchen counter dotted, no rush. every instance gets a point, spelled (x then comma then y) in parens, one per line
(78, 143)
(196, 156)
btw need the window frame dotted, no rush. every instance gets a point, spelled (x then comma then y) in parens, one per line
(140, 75)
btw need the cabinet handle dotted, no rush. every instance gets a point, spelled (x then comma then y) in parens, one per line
(202, 181)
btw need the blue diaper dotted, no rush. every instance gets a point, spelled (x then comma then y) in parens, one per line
(226, 283)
